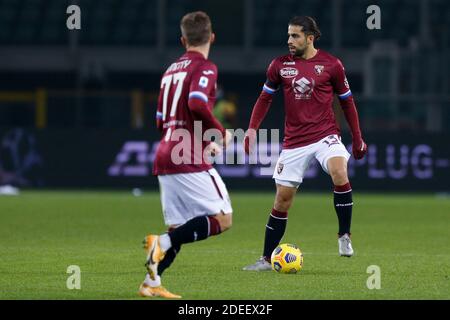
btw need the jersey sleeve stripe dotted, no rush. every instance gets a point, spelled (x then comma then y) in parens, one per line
(268, 89)
(345, 95)
(159, 115)
(198, 95)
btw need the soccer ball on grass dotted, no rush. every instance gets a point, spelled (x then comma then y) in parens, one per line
(287, 258)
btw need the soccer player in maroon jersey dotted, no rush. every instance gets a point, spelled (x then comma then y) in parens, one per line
(309, 78)
(195, 200)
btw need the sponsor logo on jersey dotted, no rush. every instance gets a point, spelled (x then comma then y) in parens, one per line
(208, 72)
(289, 63)
(303, 88)
(288, 72)
(318, 69)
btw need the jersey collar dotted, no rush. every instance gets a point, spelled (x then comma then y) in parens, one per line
(306, 60)
(193, 54)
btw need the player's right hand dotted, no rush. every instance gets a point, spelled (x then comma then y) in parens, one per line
(249, 140)
(359, 148)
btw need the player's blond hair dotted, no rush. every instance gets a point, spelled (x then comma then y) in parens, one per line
(196, 28)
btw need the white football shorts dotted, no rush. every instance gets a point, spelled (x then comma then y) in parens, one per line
(292, 163)
(188, 195)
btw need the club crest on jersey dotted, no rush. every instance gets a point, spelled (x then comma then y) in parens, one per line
(318, 68)
(288, 72)
(280, 168)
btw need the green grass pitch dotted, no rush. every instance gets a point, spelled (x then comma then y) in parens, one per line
(42, 233)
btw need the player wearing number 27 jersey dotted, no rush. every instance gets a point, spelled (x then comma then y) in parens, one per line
(309, 79)
(195, 200)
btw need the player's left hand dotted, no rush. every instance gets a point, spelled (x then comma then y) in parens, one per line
(359, 148)
(249, 140)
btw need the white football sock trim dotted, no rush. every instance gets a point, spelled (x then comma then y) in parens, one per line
(343, 191)
(278, 217)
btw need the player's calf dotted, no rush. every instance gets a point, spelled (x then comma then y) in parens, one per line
(170, 255)
(275, 229)
(343, 202)
(196, 229)
(343, 205)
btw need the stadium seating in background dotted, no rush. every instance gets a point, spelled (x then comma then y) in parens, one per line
(271, 18)
(134, 22)
(105, 22)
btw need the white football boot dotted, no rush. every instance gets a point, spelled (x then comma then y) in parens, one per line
(261, 265)
(345, 246)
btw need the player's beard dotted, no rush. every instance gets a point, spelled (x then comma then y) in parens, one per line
(299, 52)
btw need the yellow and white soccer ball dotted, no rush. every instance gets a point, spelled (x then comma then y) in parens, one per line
(287, 258)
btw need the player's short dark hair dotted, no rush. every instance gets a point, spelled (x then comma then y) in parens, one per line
(309, 25)
(196, 28)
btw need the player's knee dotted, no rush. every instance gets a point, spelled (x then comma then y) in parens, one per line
(225, 221)
(339, 176)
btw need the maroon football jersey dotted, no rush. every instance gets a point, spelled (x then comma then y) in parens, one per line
(190, 77)
(309, 87)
